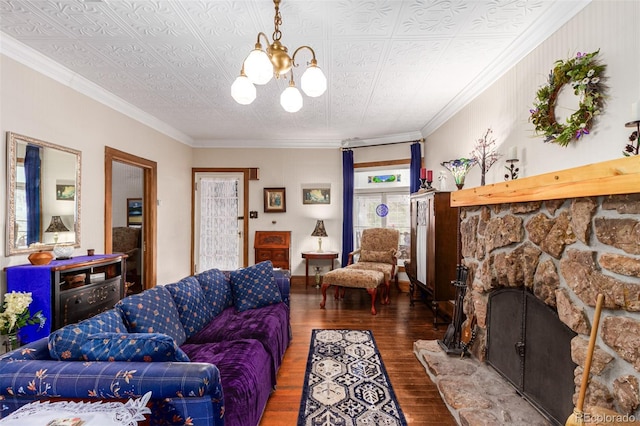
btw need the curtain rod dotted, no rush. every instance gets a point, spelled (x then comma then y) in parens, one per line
(381, 144)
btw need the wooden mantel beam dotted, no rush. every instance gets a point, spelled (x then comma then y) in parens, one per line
(620, 176)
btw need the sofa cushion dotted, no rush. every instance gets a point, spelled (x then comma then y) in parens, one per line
(65, 343)
(245, 376)
(383, 256)
(386, 268)
(269, 325)
(254, 287)
(193, 309)
(216, 286)
(152, 311)
(132, 347)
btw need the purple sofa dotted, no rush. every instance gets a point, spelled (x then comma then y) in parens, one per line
(208, 348)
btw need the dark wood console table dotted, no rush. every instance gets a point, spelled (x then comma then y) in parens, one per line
(67, 291)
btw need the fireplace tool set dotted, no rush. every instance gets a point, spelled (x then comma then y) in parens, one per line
(452, 343)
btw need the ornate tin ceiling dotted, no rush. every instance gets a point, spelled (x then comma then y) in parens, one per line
(395, 69)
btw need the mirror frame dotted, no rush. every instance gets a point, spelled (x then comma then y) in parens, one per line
(12, 140)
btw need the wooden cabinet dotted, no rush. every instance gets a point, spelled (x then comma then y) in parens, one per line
(67, 291)
(434, 249)
(273, 246)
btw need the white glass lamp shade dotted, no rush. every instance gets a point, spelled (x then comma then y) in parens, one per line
(258, 67)
(313, 81)
(291, 99)
(243, 91)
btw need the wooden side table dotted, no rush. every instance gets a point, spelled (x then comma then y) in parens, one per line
(314, 255)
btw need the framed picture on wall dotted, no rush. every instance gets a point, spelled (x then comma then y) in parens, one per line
(275, 200)
(134, 212)
(316, 195)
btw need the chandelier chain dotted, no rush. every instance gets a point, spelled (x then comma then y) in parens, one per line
(277, 21)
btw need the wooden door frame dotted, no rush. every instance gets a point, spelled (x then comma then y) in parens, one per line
(149, 209)
(246, 172)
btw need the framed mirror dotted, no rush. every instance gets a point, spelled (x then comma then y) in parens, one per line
(43, 190)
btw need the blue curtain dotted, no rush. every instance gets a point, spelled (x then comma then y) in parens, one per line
(32, 189)
(414, 169)
(347, 202)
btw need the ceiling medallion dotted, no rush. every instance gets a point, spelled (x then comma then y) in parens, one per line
(260, 66)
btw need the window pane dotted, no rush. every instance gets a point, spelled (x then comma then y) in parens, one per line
(365, 214)
(399, 218)
(384, 210)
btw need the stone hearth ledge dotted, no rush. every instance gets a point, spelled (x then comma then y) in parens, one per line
(620, 176)
(474, 393)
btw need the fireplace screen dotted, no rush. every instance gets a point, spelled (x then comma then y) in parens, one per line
(529, 345)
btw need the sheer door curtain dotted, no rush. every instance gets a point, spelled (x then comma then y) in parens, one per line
(219, 242)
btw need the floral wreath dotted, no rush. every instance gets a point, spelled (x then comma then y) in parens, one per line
(585, 74)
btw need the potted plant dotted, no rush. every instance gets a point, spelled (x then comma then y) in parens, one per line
(15, 314)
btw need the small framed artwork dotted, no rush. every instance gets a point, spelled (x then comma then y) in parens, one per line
(134, 211)
(275, 200)
(65, 191)
(316, 195)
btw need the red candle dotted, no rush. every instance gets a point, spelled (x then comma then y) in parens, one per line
(423, 173)
(429, 175)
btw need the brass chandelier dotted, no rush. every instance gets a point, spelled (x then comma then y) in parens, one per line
(260, 66)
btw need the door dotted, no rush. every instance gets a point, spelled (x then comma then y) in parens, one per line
(116, 208)
(127, 220)
(218, 232)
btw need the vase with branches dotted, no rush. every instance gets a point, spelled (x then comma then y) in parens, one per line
(485, 154)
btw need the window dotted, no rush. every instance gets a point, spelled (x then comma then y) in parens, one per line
(381, 200)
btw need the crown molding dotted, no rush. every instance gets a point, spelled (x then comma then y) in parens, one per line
(547, 23)
(382, 140)
(29, 57)
(267, 143)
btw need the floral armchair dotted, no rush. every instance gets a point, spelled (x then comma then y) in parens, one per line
(377, 252)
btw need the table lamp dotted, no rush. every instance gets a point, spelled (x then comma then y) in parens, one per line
(319, 232)
(56, 226)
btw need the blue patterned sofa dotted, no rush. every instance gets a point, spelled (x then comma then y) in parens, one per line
(208, 348)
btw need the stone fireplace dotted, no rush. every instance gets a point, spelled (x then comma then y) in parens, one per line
(564, 237)
(560, 238)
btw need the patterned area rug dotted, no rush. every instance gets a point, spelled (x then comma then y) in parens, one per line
(346, 383)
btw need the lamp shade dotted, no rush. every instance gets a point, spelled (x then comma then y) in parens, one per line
(319, 231)
(291, 99)
(258, 67)
(243, 91)
(56, 225)
(313, 81)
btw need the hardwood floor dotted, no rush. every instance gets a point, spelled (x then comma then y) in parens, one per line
(395, 328)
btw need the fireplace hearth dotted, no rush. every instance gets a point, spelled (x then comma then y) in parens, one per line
(558, 240)
(531, 348)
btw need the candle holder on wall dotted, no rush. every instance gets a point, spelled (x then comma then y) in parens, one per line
(633, 147)
(512, 170)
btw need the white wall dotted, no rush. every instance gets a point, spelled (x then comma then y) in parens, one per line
(288, 168)
(291, 169)
(34, 105)
(608, 25)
